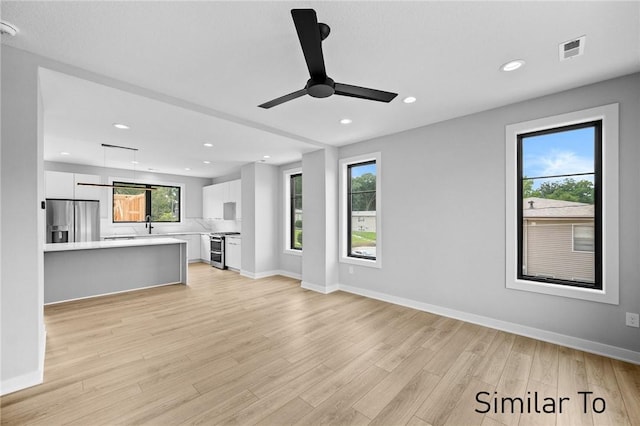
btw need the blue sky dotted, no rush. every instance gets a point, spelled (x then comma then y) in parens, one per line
(559, 153)
(361, 170)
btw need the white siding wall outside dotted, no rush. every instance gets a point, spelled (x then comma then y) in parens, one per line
(549, 251)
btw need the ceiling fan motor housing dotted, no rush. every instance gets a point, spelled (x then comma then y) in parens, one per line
(320, 89)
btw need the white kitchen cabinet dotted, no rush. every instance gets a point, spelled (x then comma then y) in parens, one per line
(214, 197)
(91, 192)
(235, 196)
(205, 247)
(65, 185)
(58, 185)
(233, 252)
(212, 201)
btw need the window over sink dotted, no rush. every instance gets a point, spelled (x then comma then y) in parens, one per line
(137, 201)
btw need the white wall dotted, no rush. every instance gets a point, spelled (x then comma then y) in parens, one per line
(22, 223)
(259, 221)
(320, 225)
(290, 264)
(444, 219)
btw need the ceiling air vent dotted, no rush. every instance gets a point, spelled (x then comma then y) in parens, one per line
(572, 48)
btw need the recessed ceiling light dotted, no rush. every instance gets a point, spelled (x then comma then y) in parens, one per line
(346, 121)
(512, 65)
(207, 162)
(64, 153)
(208, 145)
(121, 126)
(266, 156)
(409, 100)
(134, 162)
(187, 169)
(8, 28)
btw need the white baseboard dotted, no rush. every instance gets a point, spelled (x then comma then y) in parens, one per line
(522, 330)
(258, 275)
(319, 288)
(27, 380)
(290, 274)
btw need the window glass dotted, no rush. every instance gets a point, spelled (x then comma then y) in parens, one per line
(129, 204)
(165, 204)
(362, 216)
(559, 207)
(161, 203)
(295, 190)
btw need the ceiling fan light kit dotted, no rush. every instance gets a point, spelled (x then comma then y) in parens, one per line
(311, 34)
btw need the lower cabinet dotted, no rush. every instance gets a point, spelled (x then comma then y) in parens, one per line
(205, 247)
(233, 252)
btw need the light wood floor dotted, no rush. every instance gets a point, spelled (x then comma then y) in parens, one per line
(230, 350)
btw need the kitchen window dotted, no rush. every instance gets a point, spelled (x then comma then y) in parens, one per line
(136, 202)
(293, 215)
(562, 205)
(360, 201)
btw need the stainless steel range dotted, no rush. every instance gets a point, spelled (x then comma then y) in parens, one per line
(217, 248)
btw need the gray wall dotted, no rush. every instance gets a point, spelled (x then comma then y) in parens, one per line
(443, 218)
(192, 185)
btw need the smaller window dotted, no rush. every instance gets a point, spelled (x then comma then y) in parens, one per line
(295, 218)
(360, 210)
(583, 238)
(292, 217)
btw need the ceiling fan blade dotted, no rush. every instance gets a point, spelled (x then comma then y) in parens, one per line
(306, 23)
(364, 93)
(283, 99)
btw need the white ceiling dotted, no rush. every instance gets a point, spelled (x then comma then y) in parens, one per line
(214, 62)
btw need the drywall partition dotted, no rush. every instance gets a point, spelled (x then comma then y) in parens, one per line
(22, 328)
(444, 224)
(259, 224)
(320, 225)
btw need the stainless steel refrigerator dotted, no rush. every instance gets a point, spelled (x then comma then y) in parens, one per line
(72, 220)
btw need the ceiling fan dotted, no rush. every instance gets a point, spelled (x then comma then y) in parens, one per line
(311, 33)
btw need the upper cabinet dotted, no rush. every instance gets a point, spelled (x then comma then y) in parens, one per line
(215, 196)
(65, 185)
(59, 185)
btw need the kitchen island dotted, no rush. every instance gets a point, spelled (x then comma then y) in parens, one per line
(94, 268)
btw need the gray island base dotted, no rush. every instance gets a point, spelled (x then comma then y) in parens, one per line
(80, 270)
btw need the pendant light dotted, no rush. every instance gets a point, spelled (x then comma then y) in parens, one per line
(107, 185)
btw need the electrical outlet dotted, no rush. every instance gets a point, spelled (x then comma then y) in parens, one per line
(633, 320)
(351, 269)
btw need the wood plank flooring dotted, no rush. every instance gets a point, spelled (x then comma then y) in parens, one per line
(230, 350)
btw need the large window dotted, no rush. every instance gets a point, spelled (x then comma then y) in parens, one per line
(138, 202)
(559, 214)
(562, 205)
(295, 212)
(360, 218)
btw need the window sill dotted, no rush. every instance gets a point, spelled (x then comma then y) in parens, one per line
(361, 262)
(565, 291)
(293, 252)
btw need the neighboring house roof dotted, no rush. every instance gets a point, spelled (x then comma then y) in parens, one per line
(546, 208)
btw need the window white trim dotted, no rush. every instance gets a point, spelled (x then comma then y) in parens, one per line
(609, 187)
(342, 206)
(286, 179)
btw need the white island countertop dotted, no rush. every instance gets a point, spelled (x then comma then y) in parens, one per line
(91, 245)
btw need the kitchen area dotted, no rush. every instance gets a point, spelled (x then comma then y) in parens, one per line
(98, 242)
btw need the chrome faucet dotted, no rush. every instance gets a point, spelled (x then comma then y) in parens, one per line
(148, 224)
